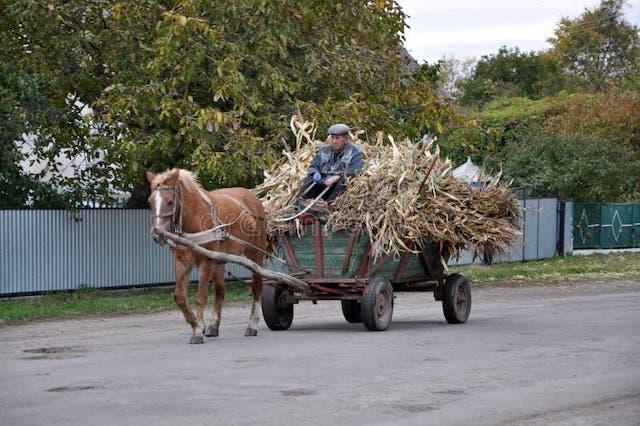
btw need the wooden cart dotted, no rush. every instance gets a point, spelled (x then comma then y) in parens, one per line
(339, 267)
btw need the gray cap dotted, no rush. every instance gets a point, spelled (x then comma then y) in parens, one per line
(338, 129)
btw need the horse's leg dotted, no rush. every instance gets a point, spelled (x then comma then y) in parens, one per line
(256, 292)
(183, 271)
(205, 270)
(219, 287)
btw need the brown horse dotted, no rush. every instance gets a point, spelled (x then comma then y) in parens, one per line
(179, 204)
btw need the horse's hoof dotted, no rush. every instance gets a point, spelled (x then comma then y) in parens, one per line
(251, 332)
(196, 340)
(211, 331)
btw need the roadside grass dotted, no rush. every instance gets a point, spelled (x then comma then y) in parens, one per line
(594, 265)
(87, 302)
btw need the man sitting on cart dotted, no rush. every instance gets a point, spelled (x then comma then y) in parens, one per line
(333, 163)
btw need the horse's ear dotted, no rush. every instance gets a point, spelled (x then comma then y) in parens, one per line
(150, 177)
(172, 177)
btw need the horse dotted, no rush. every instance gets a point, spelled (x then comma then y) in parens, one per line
(179, 204)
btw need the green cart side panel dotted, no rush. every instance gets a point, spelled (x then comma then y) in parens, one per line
(586, 226)
(412, 269)
(334, 249)
(616, 225)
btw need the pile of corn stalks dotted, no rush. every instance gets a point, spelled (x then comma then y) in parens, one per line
(404, 198)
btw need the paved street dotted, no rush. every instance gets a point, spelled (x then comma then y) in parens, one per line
(541, 355)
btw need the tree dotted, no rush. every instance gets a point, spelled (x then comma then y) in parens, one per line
(210, 85)
(42, 132)
(511, 72)
(449, 74)
(599, 47)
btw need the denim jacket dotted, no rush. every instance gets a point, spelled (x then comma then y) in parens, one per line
(327, 162)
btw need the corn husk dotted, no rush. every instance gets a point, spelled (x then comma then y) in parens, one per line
(404, 198)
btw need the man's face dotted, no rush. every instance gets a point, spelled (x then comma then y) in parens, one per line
(338, 142)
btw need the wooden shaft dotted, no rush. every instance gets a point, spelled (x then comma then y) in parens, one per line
(240, 260)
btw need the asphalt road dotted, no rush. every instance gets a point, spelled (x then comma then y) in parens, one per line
(544, 355)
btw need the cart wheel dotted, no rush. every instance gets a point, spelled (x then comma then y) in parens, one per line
(351, 311)
(456, 301)
(377, 304)
(277, 313)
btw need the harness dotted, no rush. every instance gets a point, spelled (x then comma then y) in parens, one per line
(219, 230)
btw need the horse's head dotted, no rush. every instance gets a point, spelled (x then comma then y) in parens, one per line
(165, 203)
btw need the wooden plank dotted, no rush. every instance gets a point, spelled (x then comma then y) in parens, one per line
(291, 254)
(380, 263)
(364, 263)
(400, 269)
(347, 258)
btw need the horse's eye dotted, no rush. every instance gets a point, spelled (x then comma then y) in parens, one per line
(170, 203)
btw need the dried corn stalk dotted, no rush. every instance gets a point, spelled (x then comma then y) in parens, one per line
(404, 197)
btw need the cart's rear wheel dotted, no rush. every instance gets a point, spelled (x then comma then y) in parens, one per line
(277, 313)
(377, 304)
(351, 311)
(456, 300)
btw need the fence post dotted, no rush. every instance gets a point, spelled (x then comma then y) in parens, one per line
(560, 234)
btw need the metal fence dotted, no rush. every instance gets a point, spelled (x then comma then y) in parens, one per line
(612, 225)
(46, 250)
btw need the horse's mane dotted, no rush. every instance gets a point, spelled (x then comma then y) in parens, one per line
(189, 180)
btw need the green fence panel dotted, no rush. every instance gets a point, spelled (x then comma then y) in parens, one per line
(612, 225)
(635, 230)
(616, 225)
(586, 226)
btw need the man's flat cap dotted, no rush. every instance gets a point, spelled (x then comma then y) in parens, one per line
(338, 129)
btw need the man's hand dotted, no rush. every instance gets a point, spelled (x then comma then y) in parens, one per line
(331, 180)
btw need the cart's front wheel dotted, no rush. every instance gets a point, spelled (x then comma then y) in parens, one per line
(377, 304)
(277, 313)
(456, 299)
(351, 311)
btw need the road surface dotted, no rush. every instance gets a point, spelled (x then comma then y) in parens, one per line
(566, 353)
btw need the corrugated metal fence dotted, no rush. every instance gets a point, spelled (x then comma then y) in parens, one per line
(46, 250)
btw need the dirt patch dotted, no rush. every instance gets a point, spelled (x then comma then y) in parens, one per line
(418, 408)
(250, 359)
(451, 392)
(55, 352)
(74, 388)
(298, 392)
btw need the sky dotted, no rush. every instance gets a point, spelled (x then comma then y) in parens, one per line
(472, 28)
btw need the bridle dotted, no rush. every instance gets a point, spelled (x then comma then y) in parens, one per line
(176, 223)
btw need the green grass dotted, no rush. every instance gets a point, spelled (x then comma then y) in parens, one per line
(613, 265)
(87, 302)
(91, 302)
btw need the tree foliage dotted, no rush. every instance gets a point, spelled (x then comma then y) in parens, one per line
(584, 147)
(595, 51)
(27, 109)
(600, 47)
(210, 85)
(511, 72)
